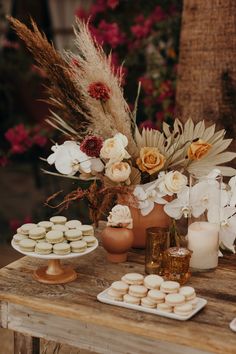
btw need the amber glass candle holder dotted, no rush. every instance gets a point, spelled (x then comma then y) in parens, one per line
(156, 244)
(176, 264)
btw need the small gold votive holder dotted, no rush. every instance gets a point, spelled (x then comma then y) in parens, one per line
(156, 243)
(176, 264)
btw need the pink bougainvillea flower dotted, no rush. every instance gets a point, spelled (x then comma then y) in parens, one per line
(10, 44)
(108, 33)
(142, 30)
(39, 140)
(115, 60)
(18, 149)
(97, 7)
(166, 91)
(158, 15)
(147, 85)
(99, 91)
(112, 33)
(97, 35)
(19, 139)
(81, 13)
(16, 134)
(139, 19)
(92, 145)
(113, 3)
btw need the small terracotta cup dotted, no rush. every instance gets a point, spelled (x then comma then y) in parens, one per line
(117, 241)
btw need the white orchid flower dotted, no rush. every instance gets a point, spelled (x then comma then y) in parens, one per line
(204, 196)
(139, 193)
(147, 196)
(225, 195)
(69, 159)
(214, 174)
(179, 206)
(228, 228)
(96, 165)
(232, 184)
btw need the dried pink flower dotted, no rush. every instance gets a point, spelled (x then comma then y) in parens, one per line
(92, 145)
(99, 91)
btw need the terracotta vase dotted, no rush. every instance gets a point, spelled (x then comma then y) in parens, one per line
(117, 242)
(156, 218)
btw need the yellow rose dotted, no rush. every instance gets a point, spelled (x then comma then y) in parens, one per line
(118, 172)
(150, 160)
(198, 149)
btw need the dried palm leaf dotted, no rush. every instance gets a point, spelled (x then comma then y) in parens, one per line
(135, 176)
(174, 144)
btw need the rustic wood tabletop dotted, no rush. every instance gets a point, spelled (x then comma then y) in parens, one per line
(71, 314)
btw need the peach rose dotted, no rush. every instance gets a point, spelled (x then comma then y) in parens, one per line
(198, 149)
(118, 172)
(150, 160)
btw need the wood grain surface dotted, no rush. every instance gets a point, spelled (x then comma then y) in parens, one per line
(26, 304)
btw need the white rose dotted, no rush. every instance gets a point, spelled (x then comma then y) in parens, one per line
(118, 172)
(172, 182)
(114, 148)
(120, 216)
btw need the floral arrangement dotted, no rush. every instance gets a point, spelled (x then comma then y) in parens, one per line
(103, 142)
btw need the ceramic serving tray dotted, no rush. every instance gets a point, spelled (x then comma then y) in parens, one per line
(52, 255)
(103, 297)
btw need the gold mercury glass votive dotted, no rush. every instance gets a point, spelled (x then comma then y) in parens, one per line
(176, 264)
(156, 243)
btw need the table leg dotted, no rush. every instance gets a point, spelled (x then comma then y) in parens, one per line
(24, 344)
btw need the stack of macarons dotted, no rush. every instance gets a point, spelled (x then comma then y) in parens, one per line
(57, 236)
(155, 293)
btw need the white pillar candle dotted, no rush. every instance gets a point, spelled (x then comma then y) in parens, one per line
(203, 240)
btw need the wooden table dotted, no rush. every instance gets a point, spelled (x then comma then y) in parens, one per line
(71, 314)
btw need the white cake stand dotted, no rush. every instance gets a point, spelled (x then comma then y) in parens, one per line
(54, 273)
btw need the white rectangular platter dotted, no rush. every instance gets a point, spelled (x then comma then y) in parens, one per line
(103, 297)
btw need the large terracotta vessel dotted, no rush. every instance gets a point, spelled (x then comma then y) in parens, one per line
(157, 217)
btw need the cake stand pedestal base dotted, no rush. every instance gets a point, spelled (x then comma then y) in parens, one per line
(54, 273)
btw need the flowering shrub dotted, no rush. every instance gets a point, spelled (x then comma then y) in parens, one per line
(145, 35)
(22, 138)
(21, 113)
